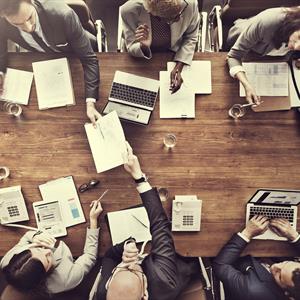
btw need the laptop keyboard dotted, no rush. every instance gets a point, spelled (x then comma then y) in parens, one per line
(133, 95)
(273, 212)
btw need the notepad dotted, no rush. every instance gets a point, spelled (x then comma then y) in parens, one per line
(132, 222)
(177, 105)
(63, 190)
(268, 79)
(53, 83)
(197, 76)
(17, 86)
(107, 142)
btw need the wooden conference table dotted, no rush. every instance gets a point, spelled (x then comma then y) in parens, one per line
(221, 161)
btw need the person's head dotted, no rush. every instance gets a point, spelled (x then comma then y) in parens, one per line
(27, 271)
(287, 276)
(289, 32)
(126, 281)
(20, 13)
(169, 10)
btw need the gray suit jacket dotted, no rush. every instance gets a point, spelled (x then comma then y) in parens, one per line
(183, 33)
(67, 273)
(64, 33)
(254, 34)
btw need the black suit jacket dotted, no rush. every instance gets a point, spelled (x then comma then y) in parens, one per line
(167, 272)
(63, 32)
(245, 278)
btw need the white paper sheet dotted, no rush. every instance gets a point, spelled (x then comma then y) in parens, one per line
(177, 105)
(64, 190)
(107, 142)
(295, 101)
(53, 83)
(17, 86)
(197, 76)
(123, 224)
(268, 79)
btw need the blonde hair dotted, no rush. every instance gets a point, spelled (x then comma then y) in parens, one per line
(163, 8)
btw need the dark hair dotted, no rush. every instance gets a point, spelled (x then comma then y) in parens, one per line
(25, 273)
(10, 7)
(291, 23)
(295, 290)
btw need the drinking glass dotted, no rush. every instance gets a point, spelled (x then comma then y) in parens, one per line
(12, 109)
(238, 110)
(170, 140)
(4, 172)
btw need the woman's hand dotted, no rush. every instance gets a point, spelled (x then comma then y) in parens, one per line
(95, 212)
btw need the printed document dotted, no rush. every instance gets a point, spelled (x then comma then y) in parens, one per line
(64, 190)
(294, 99)
(177, 105)
(53, 83)
(268, 79)
(17, 86)
(107, 142)
(197, 76)
(132, 222)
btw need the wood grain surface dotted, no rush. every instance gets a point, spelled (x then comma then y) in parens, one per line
(220, 160)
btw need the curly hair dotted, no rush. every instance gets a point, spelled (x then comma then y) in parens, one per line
(291, 23)
(10, 7)
(26, 274)
(163, 8)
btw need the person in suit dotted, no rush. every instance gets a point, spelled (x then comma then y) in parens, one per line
(247, 278)
(50, 26)
(273, 32)
(36, 266)
(159, 25)
(160, 275)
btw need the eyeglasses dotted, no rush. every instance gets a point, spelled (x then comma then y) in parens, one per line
(178, 16)
(87, 186)
(127, 268)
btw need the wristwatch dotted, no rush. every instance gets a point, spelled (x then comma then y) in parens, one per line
(144, 178)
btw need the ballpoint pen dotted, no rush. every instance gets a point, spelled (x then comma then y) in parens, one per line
(102, 195)
(139, 221)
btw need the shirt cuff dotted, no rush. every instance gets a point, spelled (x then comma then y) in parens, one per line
(296, 239)
(87, 100)
(234, 70)
(243, 237)
(143, 187)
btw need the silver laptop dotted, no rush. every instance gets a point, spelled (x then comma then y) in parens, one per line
(274, 204)
(132, 97)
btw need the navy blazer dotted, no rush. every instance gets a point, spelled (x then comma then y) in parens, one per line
(244, 277)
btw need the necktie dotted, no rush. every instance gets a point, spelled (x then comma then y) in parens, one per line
(41, 43)
(161, 35)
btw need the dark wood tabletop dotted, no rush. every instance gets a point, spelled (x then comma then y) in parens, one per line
(220, 160)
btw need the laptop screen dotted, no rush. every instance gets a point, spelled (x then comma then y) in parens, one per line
(277, 197)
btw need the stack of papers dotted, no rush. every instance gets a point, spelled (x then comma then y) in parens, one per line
(107, 142)
(181, 104)
(127, 223)
(63, 190)
(17, 86)
(53, 83)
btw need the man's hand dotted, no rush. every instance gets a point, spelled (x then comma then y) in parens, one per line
(142, 35)
(256, 226)
(282, 227)
(175, 77)
(251, 96)
(92, 112)
(1, 84)
(131, 163)
(95, 211)
(130, 253)
(44, 239)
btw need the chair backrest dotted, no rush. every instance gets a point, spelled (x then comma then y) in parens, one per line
(235, 9)
(84, 14)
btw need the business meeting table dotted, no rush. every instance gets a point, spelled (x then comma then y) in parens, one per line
(220, 160)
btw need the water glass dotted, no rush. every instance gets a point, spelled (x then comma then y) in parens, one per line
(170, 140)
(12, 109)
(239, 110)
(4, 172)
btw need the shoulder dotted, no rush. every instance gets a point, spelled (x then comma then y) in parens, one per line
(132, 7)
(55, 8)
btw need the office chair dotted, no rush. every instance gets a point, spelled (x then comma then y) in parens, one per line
(221, 19)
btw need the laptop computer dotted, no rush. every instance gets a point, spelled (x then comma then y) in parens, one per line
(132, 97)
(274, 204)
